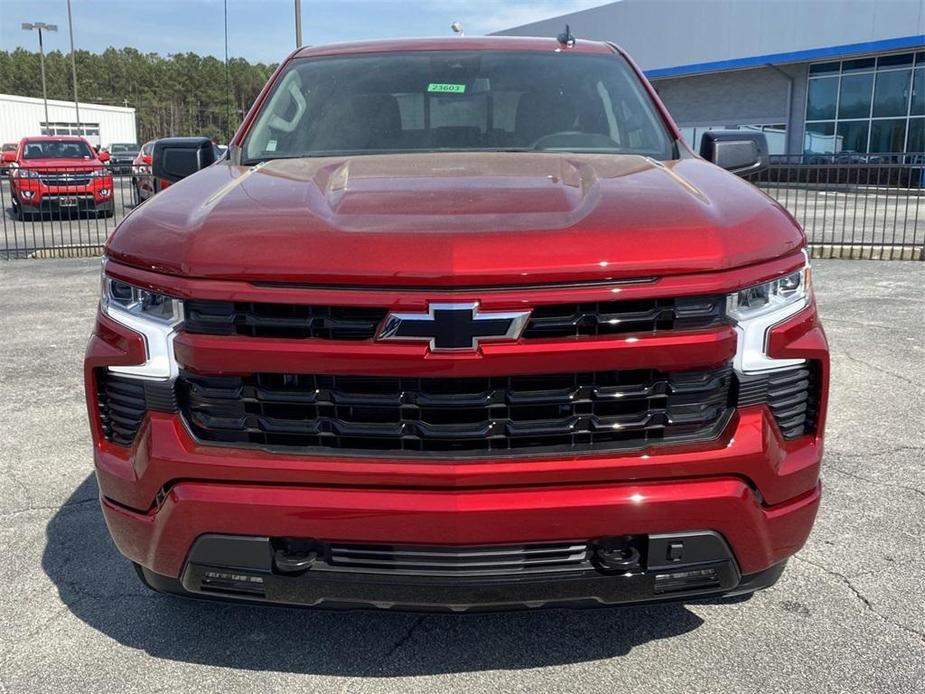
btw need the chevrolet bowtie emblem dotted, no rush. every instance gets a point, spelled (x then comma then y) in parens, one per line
(447, 327)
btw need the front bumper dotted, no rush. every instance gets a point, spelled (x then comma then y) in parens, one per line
(760, 537)
(41, 197)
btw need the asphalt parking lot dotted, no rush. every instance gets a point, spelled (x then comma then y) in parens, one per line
(848, 615)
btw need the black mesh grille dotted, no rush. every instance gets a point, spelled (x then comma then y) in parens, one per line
(123, 402)
(352, 323)
(611, 410)
(791, 394)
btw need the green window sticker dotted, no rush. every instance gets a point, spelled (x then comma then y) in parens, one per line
(444, 88)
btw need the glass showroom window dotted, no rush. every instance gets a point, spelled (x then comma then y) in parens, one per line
(866, 105)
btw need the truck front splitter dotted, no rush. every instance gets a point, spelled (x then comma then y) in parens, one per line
(667, 567)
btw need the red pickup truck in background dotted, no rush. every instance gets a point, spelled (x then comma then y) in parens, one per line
(59, 174)
(458, 324)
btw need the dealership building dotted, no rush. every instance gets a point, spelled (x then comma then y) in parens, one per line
(21, 116)
(817, 77)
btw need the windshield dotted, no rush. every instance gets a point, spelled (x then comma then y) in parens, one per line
(57, 149)
(457, 101)
(116, 148)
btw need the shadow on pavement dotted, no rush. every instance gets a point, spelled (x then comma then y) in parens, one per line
(101, 589)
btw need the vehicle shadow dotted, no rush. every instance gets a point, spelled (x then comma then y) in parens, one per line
(101, 589)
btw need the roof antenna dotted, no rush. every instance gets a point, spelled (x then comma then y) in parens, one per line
(566, 38)
(457, 28)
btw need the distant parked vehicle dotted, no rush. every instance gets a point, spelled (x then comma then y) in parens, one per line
(8, 153)
(59, 174)
(144, 185)
(122, 155)
(141, 173)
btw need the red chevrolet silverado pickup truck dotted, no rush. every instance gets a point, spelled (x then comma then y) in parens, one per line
(458, 324)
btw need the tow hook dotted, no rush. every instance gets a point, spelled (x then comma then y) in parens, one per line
(293, 560)
(617, 553)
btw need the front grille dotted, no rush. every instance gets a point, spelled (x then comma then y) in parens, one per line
(612, 410)
(122, 403)
(351, 323)
(614, 317)
(281, 320)
(490, 560)
(65, 179)
(791, 394)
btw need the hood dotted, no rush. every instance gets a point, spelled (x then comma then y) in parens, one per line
(455, 220)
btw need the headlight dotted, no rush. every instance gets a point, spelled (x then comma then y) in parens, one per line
(153, 315)
(756, 309)
(25, 173)
(141, 302)
(100, 173)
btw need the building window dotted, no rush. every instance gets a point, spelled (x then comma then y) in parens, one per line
(866, 105)
(63, 128)
(823, 98)
(916, 136)
(891, 95)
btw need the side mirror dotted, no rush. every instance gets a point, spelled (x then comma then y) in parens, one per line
(739, 151)
(104, 157)
(174, 158)
(9, 157)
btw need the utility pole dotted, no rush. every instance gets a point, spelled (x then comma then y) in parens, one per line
(228, 104)
(70, 28)
(298, 23)
(40, 26)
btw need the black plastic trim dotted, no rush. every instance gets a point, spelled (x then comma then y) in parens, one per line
(123, 402)
(792, 395)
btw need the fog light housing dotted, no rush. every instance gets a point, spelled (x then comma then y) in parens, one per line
(27, 194)
(686, 580)
(105, 192)
(232, 582)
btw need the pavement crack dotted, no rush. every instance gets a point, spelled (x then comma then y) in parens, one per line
(863, 324)
(405, 637)
(829, 467)
(42, 628)
(879, 453)
(61, 507)
(875, 367)
(865, 601)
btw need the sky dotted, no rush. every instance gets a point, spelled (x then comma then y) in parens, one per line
(259, 30)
